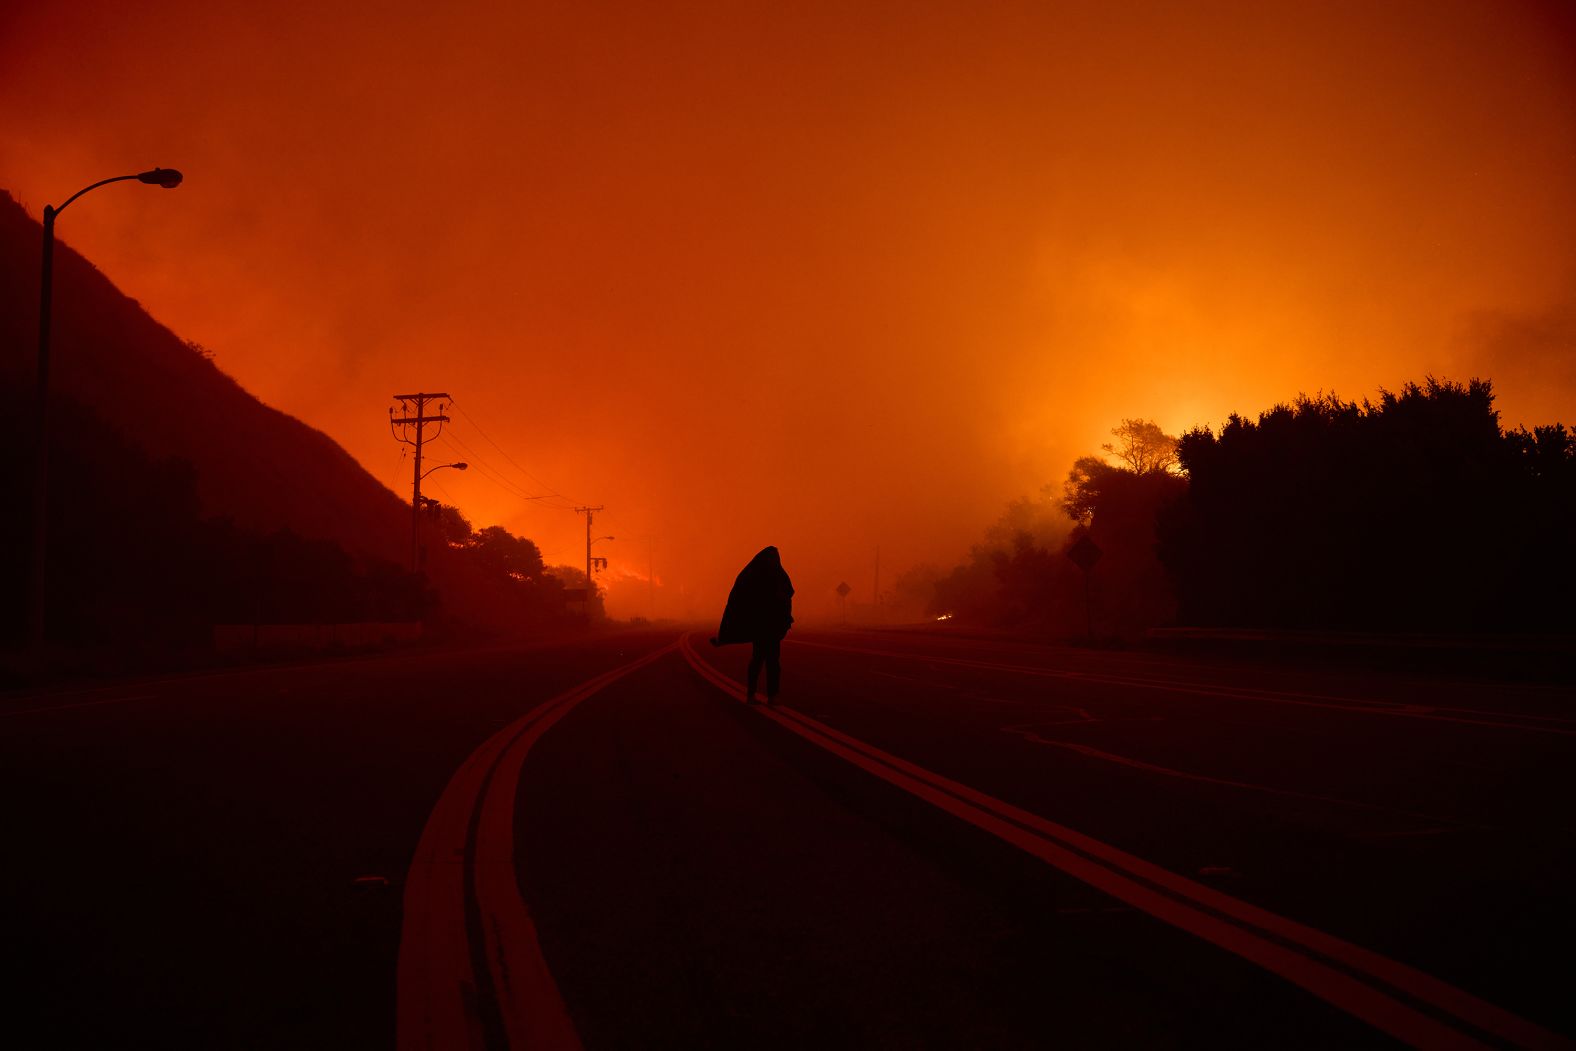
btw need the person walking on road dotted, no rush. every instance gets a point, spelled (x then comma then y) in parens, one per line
(759, 611)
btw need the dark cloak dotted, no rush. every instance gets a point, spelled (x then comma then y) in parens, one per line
(760, 606)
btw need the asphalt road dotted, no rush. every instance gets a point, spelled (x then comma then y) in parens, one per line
(935, 841)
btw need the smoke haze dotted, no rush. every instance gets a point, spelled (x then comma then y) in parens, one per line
(827, 277)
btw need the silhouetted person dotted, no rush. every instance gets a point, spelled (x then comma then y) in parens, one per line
(759, 611)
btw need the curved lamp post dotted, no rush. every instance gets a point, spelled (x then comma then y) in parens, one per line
(457, 466)
(418, 552)
(168, 178)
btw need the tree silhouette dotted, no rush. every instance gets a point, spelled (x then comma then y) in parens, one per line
(1142, 446)
(503, 554)
(451, 527)
(1413, 512)
(1086, 482)
(1020, 573)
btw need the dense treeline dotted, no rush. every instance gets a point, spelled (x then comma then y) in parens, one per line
(1020, 576)
(134, 562)
(1416, 513)
(178, 500)
(534, 590)
(994, 585)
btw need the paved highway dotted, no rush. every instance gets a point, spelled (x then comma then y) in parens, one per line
(932, 841)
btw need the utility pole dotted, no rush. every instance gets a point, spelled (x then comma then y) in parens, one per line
(876, 601)
(590, 587)
(414, 410)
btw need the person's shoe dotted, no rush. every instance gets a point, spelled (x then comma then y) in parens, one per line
(771, 701)
(750, 699)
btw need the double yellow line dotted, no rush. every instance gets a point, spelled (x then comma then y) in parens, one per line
(1406, 1003)
(466, 853)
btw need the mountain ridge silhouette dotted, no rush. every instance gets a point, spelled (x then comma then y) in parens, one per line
(254, 463)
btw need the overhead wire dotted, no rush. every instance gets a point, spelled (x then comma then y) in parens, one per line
(492, 474)
(502, 481)
(485, 470)
(483, 432)
(398, 470)
(475, 460)
(446, 494)
(496, 476)
(464, 448)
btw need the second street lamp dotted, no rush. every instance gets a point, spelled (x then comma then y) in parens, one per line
(418, 553)
(168, 178)
(461, 466)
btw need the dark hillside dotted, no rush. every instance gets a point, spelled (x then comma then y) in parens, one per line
(255, 464)
(169, 479)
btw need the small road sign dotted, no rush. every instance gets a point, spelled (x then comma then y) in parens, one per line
(1085, 553)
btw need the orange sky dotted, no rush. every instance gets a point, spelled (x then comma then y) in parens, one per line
(815, 275)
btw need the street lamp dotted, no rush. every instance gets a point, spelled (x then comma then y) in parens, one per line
(457, 466)
(418, 554)
(168, 178)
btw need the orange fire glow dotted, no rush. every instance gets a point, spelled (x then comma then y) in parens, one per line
(822, 276)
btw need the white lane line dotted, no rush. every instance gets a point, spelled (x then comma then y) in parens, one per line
(438, 999)
(1027, 733)
(1356, 980)
(1499, 720)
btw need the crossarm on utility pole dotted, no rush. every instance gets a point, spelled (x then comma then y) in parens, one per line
(419, 420)
(590, 587)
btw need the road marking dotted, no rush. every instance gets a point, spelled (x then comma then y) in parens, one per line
(467, 848)
(1159, 664)
(1500, 720)
(1027, 733)
(1382, 992)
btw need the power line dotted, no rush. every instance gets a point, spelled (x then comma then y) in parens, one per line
(460, 448)
(487, 471)
(464, 447)
(551, 491)
(398, 467)
(446, 494)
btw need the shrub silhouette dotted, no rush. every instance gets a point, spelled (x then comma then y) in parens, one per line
(1412, 513)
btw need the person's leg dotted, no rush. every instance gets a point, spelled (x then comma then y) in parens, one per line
(757, 656)
(774, 667)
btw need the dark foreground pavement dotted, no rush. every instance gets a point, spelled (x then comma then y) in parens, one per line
(184, 859)
(181, 855)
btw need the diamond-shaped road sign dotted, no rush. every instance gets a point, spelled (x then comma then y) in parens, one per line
(843, 589)
(1085, 553)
